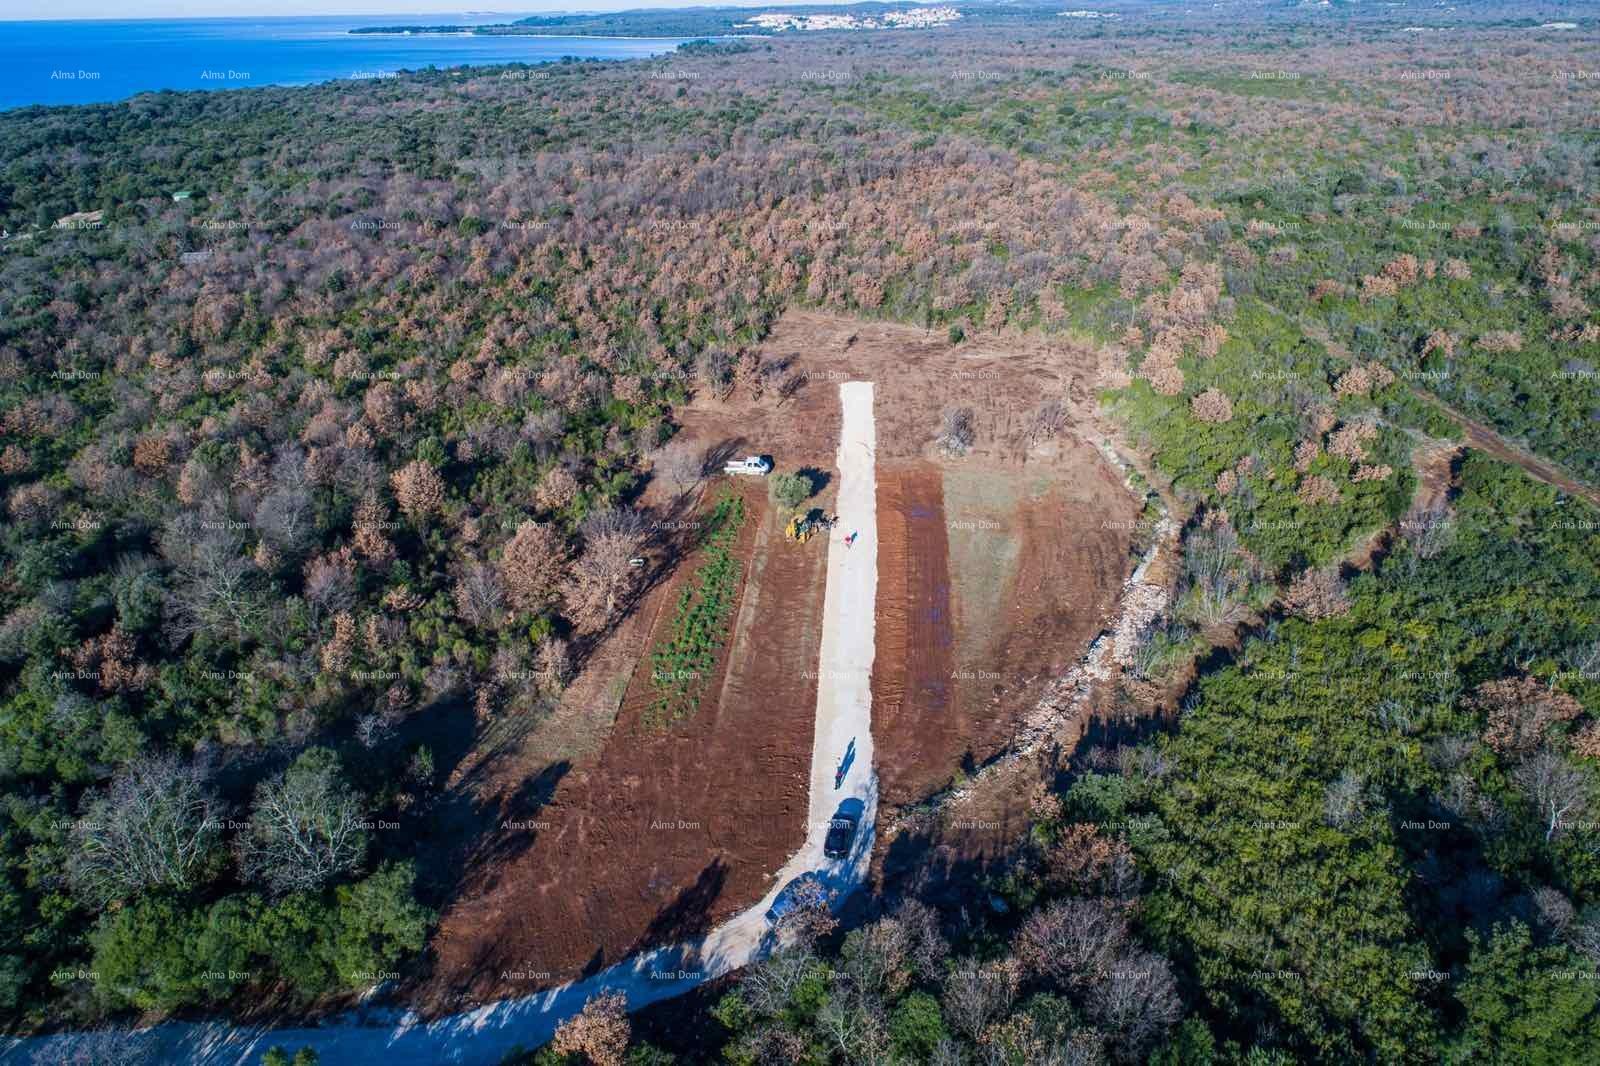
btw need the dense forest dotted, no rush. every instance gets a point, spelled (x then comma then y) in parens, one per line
(350, 438)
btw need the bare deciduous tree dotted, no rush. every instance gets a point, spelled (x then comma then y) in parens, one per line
(553, 664)
(375, 727)
(284, 517)
(1559, 791)
(157, 826)
(305, 826)
(854, 1023)
(1138, 1002)
(479, 595)
(1554, 911)
(927, 948)
(714, 371)
(1585, 659)
(1072, 941)
(810, 919)
(1428, 530)
(956, 432)
(1584, 934)
(1346, 799)
(877, 957)
(543, 429)
(977, 994)
(680, 464)
(1214, 573)
(602, 576)
(769, 985)
(215, 584)
(330, 585)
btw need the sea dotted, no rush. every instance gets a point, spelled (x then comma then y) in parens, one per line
(96, 61)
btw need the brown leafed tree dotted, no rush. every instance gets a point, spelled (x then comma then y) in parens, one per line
(371, 544)
(553, 664)
(1316, 594)
(556, 489)
(1520, 710)
(600, 1032)
(602, 577)
(1212, 406)
(532, 566)
(419, 490)
(1586, 742)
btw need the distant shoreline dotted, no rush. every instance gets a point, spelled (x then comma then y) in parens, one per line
(256, 54)
(558, 36)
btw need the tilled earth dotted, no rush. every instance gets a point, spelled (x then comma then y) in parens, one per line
(995, 572)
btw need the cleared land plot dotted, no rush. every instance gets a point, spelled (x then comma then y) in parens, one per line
(996, 569)
(592, 881)
(672, 827)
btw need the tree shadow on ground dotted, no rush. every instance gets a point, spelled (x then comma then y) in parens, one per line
(922, 865)
(1107, 734)
(819, 478)
(689, 915)
(719, 453)
(674, 534)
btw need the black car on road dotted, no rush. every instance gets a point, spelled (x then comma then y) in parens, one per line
(841, 831)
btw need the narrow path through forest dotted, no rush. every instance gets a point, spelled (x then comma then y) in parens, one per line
(1477, 434)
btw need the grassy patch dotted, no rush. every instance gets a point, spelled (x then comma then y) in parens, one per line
(681, 668)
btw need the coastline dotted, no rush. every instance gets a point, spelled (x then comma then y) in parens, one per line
(560, 36)
(290, 53)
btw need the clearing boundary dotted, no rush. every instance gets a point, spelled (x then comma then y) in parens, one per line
(489, 1033)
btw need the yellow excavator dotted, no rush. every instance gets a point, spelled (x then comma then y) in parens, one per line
(802, 526)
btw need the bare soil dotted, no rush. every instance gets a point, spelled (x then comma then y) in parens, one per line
(607, 835)
(919, 734)
(665, 830)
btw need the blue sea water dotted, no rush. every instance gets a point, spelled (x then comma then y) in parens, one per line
(82, 62)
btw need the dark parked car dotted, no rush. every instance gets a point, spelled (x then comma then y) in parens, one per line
(841, 831)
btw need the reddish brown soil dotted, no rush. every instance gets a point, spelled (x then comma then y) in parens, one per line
(590, 881)
(918, 735)
(1073, 559)
(669, 829)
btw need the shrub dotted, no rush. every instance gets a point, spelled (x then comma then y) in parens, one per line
(789, 491)
(1211, 406)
